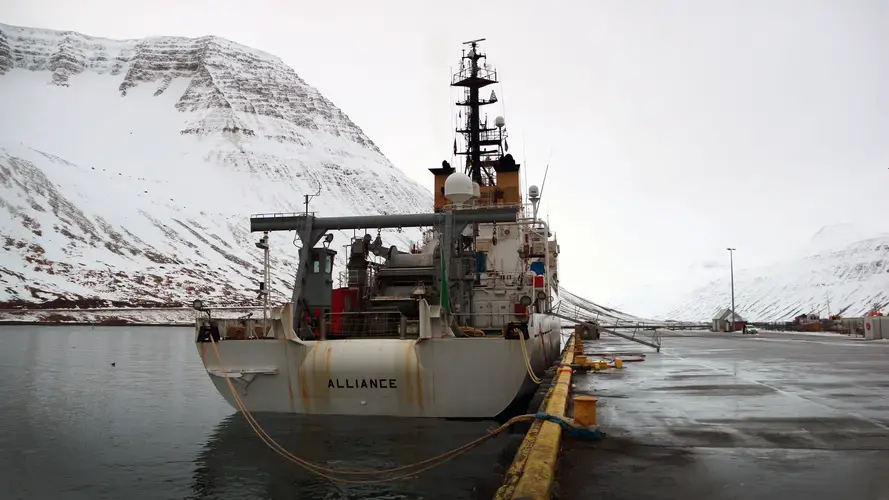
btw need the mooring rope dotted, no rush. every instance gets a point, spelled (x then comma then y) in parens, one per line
(527, 358)
(329, 473)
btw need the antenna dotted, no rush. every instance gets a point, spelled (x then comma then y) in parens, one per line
(480, 162)
(525, 159)
(543, 184)
(452, 118)
(310, 196)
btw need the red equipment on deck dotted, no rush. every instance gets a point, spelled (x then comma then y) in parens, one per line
(342, 301)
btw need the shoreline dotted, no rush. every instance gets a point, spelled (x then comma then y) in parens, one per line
(118, 316)
(82, 323)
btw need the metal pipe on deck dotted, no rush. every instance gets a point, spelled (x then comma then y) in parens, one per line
(282, 222)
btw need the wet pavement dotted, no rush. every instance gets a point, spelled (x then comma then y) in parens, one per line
(716, 415)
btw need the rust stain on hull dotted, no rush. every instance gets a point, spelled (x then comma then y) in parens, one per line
(303, 383)
(287, 373)
(419, 385)
(408, 367)
(413, 389)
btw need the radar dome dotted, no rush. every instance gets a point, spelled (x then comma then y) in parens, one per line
(476, 190)
(499, 121)
(533, 192)
(458, 188)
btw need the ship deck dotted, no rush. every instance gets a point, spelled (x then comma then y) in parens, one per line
(715, 415)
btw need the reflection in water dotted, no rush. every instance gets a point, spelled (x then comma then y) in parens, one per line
(152, 426)
(235, 463)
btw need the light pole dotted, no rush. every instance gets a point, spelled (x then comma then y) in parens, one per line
(731, 260)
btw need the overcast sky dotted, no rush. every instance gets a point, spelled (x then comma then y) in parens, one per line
(676, 128)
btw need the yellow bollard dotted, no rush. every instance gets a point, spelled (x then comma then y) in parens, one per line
(585, 410)
(618, 363)
(580, 359)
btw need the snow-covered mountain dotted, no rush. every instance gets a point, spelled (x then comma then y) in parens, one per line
(658, 296)
(843, 266)
(129, 168)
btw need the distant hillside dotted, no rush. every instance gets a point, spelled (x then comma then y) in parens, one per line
(842, 266)
(129, 168)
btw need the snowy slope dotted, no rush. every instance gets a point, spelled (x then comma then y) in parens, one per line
(844, 265)
(129, 169)
(659, 295)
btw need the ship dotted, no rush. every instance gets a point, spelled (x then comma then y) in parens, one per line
(459, 325)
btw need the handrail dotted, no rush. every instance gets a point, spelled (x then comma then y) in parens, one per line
(279, 214)
(471, 206)
(371, 323)
(481, 72)
(475, 314)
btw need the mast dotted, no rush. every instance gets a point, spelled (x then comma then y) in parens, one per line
(473, 76)
(488, 162)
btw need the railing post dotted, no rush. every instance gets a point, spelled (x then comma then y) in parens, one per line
(402, 327)
(323, 326)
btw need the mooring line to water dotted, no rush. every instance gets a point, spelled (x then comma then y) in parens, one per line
(326, 472)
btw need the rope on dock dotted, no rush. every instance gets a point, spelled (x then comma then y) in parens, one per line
(570, 427)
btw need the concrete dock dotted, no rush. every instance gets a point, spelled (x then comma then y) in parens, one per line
(717, 415)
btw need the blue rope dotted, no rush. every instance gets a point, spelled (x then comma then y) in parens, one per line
(570, 427)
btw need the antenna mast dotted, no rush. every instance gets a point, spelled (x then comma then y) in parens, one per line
(309, 197)
(473, 76)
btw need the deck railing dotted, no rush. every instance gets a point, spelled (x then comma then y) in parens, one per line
(483, 73)
(372, 324)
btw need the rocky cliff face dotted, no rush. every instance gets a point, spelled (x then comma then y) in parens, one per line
(129, 168)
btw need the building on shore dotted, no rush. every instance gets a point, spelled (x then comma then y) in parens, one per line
(722, 321)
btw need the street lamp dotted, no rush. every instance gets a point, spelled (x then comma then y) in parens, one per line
(731, 260)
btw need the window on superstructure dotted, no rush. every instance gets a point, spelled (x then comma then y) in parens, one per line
(316, 266)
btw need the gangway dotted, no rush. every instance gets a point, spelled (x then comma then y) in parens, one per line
(655, 341)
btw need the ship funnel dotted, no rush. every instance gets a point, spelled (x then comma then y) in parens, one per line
(458, 188)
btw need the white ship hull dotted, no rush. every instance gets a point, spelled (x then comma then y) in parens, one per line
(438, 377)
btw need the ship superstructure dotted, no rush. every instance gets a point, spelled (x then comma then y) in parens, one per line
(465, 307)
